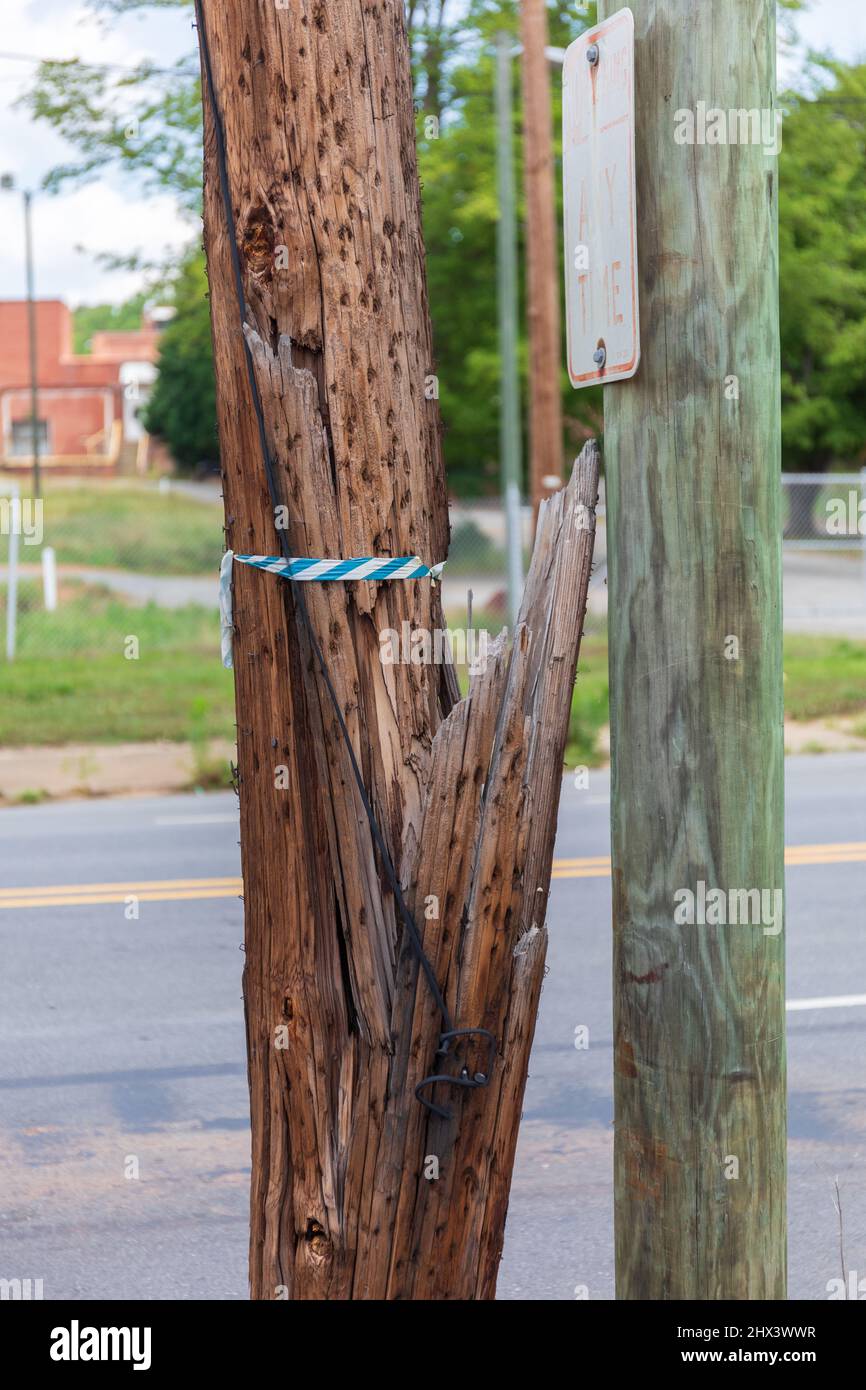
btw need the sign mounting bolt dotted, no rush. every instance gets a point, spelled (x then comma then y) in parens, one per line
(592, 54)
(599, 357)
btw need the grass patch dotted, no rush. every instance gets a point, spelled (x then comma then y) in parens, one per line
(824, 676)
(72, 683)
(127, 527)
(589, 705)
(105, 699)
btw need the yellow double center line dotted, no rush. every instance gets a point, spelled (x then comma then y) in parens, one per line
(599, 865)
(195, 889)
(150, 891)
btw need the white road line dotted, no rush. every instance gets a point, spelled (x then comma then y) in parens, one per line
(830, 1001)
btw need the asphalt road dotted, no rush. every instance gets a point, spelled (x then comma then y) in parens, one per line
(822, 592)
(123, 1104)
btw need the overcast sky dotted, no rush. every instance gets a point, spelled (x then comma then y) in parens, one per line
(107, 215)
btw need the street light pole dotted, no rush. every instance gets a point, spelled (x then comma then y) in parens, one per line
(31, 322)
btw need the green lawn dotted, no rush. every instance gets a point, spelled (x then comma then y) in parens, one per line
(589, 705)
(72, 682)
(127, 527)
(824, 676)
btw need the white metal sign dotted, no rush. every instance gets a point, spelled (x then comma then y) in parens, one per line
(601, 290)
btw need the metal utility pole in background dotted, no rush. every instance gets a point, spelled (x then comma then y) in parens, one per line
(31, 325)
(542, 261)
(506, 269)
(7, 184)
(692, 463)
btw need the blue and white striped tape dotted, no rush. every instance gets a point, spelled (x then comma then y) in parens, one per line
(404, 567)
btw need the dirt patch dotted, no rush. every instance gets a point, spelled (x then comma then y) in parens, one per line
(121, 769)
(838, 734)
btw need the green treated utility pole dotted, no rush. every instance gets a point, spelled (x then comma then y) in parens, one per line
(506, 274)
(692, 457)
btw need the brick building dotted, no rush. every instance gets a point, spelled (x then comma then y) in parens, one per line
(88, 404)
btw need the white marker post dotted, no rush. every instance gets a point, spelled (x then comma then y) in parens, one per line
(49, 578)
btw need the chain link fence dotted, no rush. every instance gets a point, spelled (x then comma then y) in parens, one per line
(824, 511)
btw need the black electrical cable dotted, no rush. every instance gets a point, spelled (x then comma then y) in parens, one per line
(448, 1032)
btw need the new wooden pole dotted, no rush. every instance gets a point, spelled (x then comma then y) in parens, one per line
(692, 474)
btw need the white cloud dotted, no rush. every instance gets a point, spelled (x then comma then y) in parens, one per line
(837, 25)
(109, 214)
(99, 218)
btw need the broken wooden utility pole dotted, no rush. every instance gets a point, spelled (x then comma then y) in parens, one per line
(359, 1189)
(542, 260)
(692, 464)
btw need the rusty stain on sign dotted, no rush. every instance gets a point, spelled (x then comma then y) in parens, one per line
(601, 288)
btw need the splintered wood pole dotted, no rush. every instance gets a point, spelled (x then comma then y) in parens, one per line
(542, 260)
(692, 461)
(358, 1190)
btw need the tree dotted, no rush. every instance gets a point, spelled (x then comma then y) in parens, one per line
(822, 236)
(359, 1189)
(458, 172)
(146, 122)
(96, 318)
(182, 406)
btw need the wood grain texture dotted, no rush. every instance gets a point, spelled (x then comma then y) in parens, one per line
(692, 476)
(320, 135)
(542, 256)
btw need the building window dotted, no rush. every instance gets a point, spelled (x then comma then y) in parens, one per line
(21, 444)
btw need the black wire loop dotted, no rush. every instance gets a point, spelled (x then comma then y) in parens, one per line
(463, 1078)
(449, 1032)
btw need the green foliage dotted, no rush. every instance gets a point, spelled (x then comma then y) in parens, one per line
(130, 528)
(182, 406)
(94, 694)
(147, 123)
(98, 318)
(461, 210)
(145, 120)
(822, 243)
(589, 706)
(823, 676)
